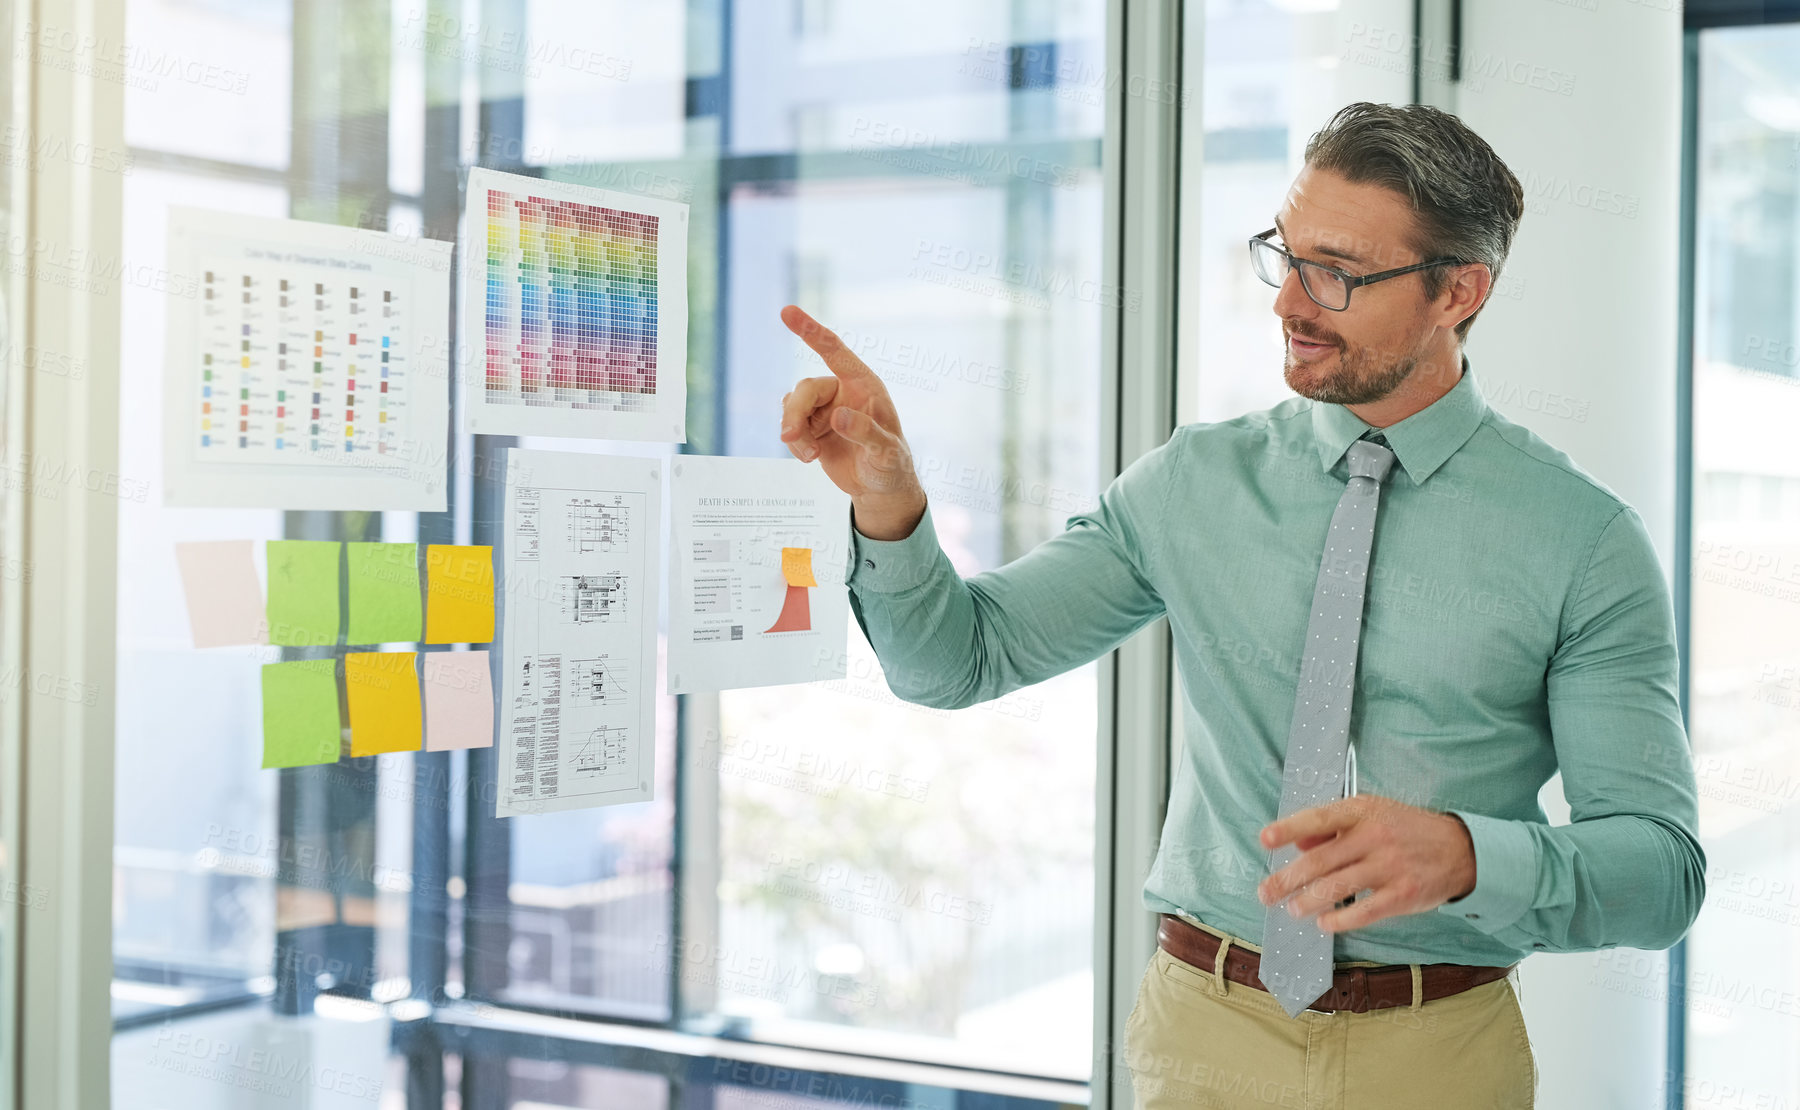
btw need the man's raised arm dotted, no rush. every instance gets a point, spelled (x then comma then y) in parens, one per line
(943, 640)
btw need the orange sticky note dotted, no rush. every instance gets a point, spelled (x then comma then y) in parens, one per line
(459, 594)
(796, 566)
(383, 691)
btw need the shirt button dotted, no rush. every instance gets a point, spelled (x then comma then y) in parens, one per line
(1471, 916)
(1537, 944)
(870, 563)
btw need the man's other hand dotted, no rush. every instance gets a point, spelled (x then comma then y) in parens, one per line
(1410, 860)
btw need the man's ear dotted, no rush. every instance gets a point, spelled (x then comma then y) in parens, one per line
(1469, 290)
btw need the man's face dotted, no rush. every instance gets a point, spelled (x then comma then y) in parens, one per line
(1363, 353)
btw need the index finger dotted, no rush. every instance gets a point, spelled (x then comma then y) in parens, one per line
(1332, 817)
(825, 343)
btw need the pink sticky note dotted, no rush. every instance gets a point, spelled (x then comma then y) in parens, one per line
(224, 598)
(459, 701)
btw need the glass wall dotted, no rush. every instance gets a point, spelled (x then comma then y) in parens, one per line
(831, 868)
(1743, 962)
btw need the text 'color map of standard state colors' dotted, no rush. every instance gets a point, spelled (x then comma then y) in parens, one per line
(577, 312)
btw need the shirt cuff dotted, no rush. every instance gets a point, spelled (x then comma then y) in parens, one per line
(1505, 873)
(893, 566)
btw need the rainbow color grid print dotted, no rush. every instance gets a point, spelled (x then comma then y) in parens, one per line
(574, 313)
(307, 366)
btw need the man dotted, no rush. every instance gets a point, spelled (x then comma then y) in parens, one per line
(1396, 614)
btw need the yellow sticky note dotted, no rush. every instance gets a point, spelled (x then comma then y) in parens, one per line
(383, 691)
(796, 566)
(459, 594)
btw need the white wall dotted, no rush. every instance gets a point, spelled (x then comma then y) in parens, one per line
(1589, 314)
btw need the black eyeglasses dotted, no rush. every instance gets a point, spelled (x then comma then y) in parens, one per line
(1328, 286)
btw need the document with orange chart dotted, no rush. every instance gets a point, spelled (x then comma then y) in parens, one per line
(756, 582)
(580, 568)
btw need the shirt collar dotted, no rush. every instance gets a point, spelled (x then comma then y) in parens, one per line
(1421, 443)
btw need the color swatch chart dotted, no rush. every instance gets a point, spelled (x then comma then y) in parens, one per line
(571, 304)
(293, 364)
(307, 368)
(574, 311)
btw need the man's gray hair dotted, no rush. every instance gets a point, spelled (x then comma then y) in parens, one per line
(1467, 203)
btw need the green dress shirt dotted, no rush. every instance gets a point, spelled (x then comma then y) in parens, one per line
(1517, 624)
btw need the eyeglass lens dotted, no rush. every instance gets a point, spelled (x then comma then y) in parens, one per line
(1322, 285)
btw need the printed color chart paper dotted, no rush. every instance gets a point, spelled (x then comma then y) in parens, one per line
(574, 311)
(578, 643)
(306, 368)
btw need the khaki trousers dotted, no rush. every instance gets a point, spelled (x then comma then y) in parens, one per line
(1198, 1040)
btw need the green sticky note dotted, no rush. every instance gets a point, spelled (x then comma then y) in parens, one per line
(300, 713)
(384, 593)
(303, 592)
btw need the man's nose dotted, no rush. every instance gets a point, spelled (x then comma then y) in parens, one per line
(1291, 298)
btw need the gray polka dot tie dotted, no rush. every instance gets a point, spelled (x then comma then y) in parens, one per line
(1296, 954)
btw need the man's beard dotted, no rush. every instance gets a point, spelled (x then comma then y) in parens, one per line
(1360, 378)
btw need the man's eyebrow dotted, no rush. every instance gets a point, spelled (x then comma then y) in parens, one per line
(1330, 252)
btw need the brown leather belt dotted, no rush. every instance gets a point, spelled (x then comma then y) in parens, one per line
(1356, 989)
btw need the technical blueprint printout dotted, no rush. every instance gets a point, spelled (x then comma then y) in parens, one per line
(580, 570)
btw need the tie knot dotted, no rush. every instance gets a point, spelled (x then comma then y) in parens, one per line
(1369, 459)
